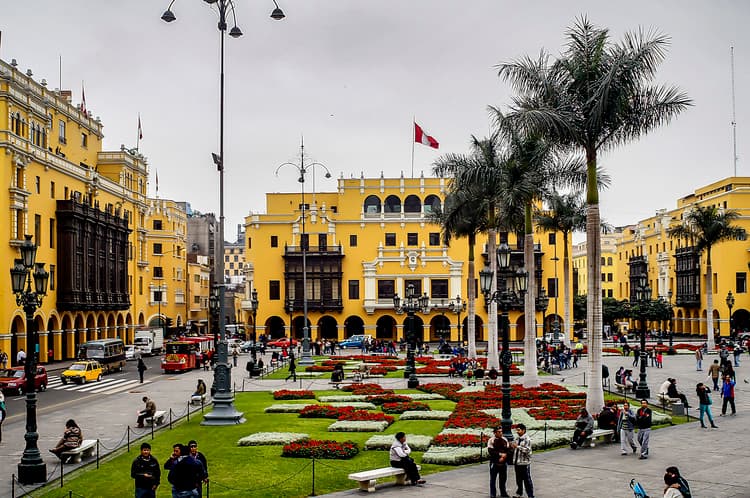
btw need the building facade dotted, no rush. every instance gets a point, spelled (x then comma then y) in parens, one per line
(363, 243)
(609, 264)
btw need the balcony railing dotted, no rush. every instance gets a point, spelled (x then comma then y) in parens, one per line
(314, 250)
(317, 304)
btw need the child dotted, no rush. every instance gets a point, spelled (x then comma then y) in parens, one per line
(659, 359)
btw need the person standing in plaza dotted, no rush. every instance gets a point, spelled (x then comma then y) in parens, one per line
(3, 413)
(146, 471)
(21, 357)
(704, 403)
(698, 360)
(185, 472)
(497, 449)
(643, 423)
(292, 369)
(141, 368)
(626, 426)
(522, 462)
(3, 359)
(193, 448)
(727, 394)
(713, 372)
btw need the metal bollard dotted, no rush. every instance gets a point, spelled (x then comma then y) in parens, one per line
(313, 478)
(97, 453)
(128, 435)
(545, 434)
(188, 412)
(62, 472)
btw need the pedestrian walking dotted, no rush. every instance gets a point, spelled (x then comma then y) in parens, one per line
(235, 354)
(2, 414)
(626, 427)
(292, 369)
(659, 359)
(21, 357)
(146, 471)
(522, 462)
(193, 448)
(673, 474)
(497, 449)
(727, 394)
(141, 368)
(643, 423)
(698, 360)
(713, 372)
(704, 403)
(737, 352)
(3, 359)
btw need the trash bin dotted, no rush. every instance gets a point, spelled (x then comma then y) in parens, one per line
(678, 408)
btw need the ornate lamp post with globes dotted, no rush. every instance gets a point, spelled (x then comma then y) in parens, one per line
(514, 289)
(412, 303)
(457, 306)
(643, 297)
(32, 468)
(730, 305)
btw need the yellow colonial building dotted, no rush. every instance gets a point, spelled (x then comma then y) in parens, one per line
(609, 264)
(677, 271)
(366, 241)
(88, 212)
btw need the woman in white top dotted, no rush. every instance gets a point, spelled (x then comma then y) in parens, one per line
(400, 459)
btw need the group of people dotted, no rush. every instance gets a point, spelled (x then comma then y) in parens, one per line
(503, 453)
(622, 422)
(188, 471)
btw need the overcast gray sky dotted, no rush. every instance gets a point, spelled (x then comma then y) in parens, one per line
(350, 75)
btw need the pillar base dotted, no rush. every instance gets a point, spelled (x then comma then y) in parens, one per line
(32, 473)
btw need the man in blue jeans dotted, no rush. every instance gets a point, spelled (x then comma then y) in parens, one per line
(185, 472)
(522, 462)
(497, 449)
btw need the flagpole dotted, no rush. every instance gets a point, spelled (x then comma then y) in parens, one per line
(138, 135)
(413, 139)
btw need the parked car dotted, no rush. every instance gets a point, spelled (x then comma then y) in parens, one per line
(281, 343)
(355, 341)
(246, 346)
(82, 372)
(14, 380)
(234, 343)
(131, 352)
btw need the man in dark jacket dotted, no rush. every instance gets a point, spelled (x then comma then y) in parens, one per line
(193, 448)
(643, 423)
(146, 472)
(185, 472)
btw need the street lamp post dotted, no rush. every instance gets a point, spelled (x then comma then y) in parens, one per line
(504, 298)
(457, 306)
(543, 300)
(224, 412)
(254, 306)
(671, 349)
(412, 303)
(643, 296)
(302, 169)
(32, 468)
(730, 305)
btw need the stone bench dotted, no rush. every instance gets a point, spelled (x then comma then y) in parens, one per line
(337, 385)
(666, 400)
(198, 399)
(598, 433)
(157, 418)
(368, 478)
(623, 388)
(85, 450)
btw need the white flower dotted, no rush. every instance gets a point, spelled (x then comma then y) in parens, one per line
(356, 405)
(471, 389)
(452, 455)
(468, 430)
(287, 407)
(422, 396)
(358, 426)
(425, 415)
(342, 398)
(271, 438)
(383, 442)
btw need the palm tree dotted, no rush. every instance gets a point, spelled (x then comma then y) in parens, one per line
(566, 214)
(707, 226)
(463, 216)
(595, 96)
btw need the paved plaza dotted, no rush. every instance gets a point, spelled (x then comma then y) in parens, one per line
(712, 460)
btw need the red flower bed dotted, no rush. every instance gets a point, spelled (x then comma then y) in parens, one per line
(366, 389)
(318, 368)
(402, 407)
(560, 412)
(312, 448)
(367, 416)
(432, 370)
(382, 370)
(445, 389)
(691, 347)
(471, 418)
(612, 350)
(325, 411)
(333, 363)
(288, 394)
(388, 398)
(459, 440)
(373, 359)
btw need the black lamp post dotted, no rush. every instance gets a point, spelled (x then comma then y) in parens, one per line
(643, 296)
(457, 306)
(515, 288)
(730, 305)
(543, 301)
(224, 412)
(254, 307)
(32, 468)
(411, 304)
(671, 349)
(302, 169)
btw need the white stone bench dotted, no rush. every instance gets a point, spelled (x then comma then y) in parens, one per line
(665, 399)
(198, 399)
(337, 385)
(368, 478)
(623, 388)
(598, 433)
(157, 418)
(85, 450)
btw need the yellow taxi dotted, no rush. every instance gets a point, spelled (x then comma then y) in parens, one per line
(82, 372)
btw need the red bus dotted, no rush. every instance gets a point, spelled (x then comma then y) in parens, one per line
(180, 356)
(204, 343)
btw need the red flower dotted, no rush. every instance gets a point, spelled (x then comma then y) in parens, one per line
(291, 394)
(325, 411)
(364, 415)
(311, 448)
(402, 407)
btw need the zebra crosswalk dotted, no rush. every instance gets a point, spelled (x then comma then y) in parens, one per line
(108, 385)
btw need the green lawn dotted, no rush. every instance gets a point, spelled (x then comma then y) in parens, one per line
(250, 471)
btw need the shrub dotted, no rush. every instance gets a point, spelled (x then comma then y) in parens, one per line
(313, 448)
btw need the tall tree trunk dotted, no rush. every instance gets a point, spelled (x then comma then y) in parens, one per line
(492, 358)
(471, 300)
(710, 342)
(568, 331)
(530, 373)
(595, 391)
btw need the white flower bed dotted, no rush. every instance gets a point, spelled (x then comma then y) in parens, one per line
(487, 432)
(471, 389)
(660, 418)
(521, 416)
(384, 442)
(422, 396)
(425, 415)
(287, 407)
(356, 405)
(342, 398)
(271, 438)
(452, 455)
(554, 437)
(358, 426)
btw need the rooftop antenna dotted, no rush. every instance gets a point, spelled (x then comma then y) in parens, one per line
(734, 117)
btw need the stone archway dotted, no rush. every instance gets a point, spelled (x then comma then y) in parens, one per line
(440, 328)
(385, 328)
(353, 325)
(17, 342)
(417, 325)
(275, 327)
(478, 329)
(520, 332)
(298, 326)
(328, 328)
(68, 338)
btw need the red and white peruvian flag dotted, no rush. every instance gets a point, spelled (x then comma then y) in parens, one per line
(423, 138)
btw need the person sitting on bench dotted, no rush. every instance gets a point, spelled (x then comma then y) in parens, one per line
(72, 438)
(584, 428)
(400, 459)
(338, 373)
(672, 392)
(146, 412)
